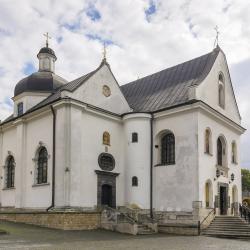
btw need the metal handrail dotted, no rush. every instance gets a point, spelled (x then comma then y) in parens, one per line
(129, 219)
(244, 212)
(211, 212)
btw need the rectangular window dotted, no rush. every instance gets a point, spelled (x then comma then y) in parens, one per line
(20, 108)
(134, 137)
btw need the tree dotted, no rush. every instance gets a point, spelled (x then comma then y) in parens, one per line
(245, 173)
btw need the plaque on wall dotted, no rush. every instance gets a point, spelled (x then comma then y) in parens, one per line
(106, 161)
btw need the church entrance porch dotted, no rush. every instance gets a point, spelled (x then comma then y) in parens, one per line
(106, 188)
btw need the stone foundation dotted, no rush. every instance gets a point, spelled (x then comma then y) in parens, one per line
(59, 220)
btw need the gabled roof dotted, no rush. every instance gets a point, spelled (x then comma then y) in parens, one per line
(168, 87)
(161, 90)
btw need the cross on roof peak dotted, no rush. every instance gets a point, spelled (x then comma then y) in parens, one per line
(104, 51)
(216, 42)
(47, 38)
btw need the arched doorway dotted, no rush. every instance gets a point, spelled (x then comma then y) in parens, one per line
(106, 198)
(208, 194)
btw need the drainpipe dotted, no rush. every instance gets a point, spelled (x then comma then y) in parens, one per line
(53, 159)
(151, 166)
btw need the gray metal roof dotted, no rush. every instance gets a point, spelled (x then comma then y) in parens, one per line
(41, 81)
(70, 86)
(161, 90)
(168, 87)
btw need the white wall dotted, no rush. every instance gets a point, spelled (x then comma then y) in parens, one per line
(91, 92)
(22, 140)
(8, 144)
(37, 131)
(29, 100)
(207, 91)
(137, 157)
(78, 186)
(207, 163)
(176, 186)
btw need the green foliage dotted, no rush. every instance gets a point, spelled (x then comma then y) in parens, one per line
(245, 173)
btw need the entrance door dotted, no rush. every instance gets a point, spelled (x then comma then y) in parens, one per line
(223, 200)
(106, 195)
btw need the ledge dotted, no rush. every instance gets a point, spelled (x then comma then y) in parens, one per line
(41, 184)
(165, 165)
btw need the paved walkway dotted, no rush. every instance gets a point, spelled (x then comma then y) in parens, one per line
(31, 237)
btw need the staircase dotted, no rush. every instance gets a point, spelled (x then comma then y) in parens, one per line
(228, 227)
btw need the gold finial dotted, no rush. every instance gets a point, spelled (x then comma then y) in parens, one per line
(104, 51)
(216, 42)
(47, 38)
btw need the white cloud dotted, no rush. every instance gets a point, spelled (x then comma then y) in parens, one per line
(179, 30)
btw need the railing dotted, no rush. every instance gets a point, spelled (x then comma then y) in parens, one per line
(201, 223)
(245, 212)
(116, 216)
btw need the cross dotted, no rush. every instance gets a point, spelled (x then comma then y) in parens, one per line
(47, 38)
(216, 42)
(104, 51)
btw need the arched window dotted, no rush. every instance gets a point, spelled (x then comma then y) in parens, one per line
(221, 151)
(10, 172)
(42, 166)
(234, 152)
(106, 138)
(134, 137)
(134, 181)
(221, 91)
(208, 144)
(168, 149)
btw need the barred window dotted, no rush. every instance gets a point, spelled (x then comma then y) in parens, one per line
(134, 181)
(168, 149)
(42, 166)
(134, 137)
(10, 172)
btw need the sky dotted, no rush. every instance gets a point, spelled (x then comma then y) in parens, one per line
(142, 37)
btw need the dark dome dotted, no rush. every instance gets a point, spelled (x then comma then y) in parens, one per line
(39, 82)
(48, 51)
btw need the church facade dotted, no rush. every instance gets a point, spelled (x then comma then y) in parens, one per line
(163, 142)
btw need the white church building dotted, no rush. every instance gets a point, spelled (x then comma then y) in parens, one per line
(162, 142)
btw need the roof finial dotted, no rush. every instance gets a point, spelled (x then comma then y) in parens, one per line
(216, 42)
(104, 50)
(47, 38)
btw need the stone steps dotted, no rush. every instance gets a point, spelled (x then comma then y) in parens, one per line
(145, 230)
(228, 227)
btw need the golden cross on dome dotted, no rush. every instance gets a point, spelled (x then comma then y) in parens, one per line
(216, 42)
(104, 51)
(47, 38)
